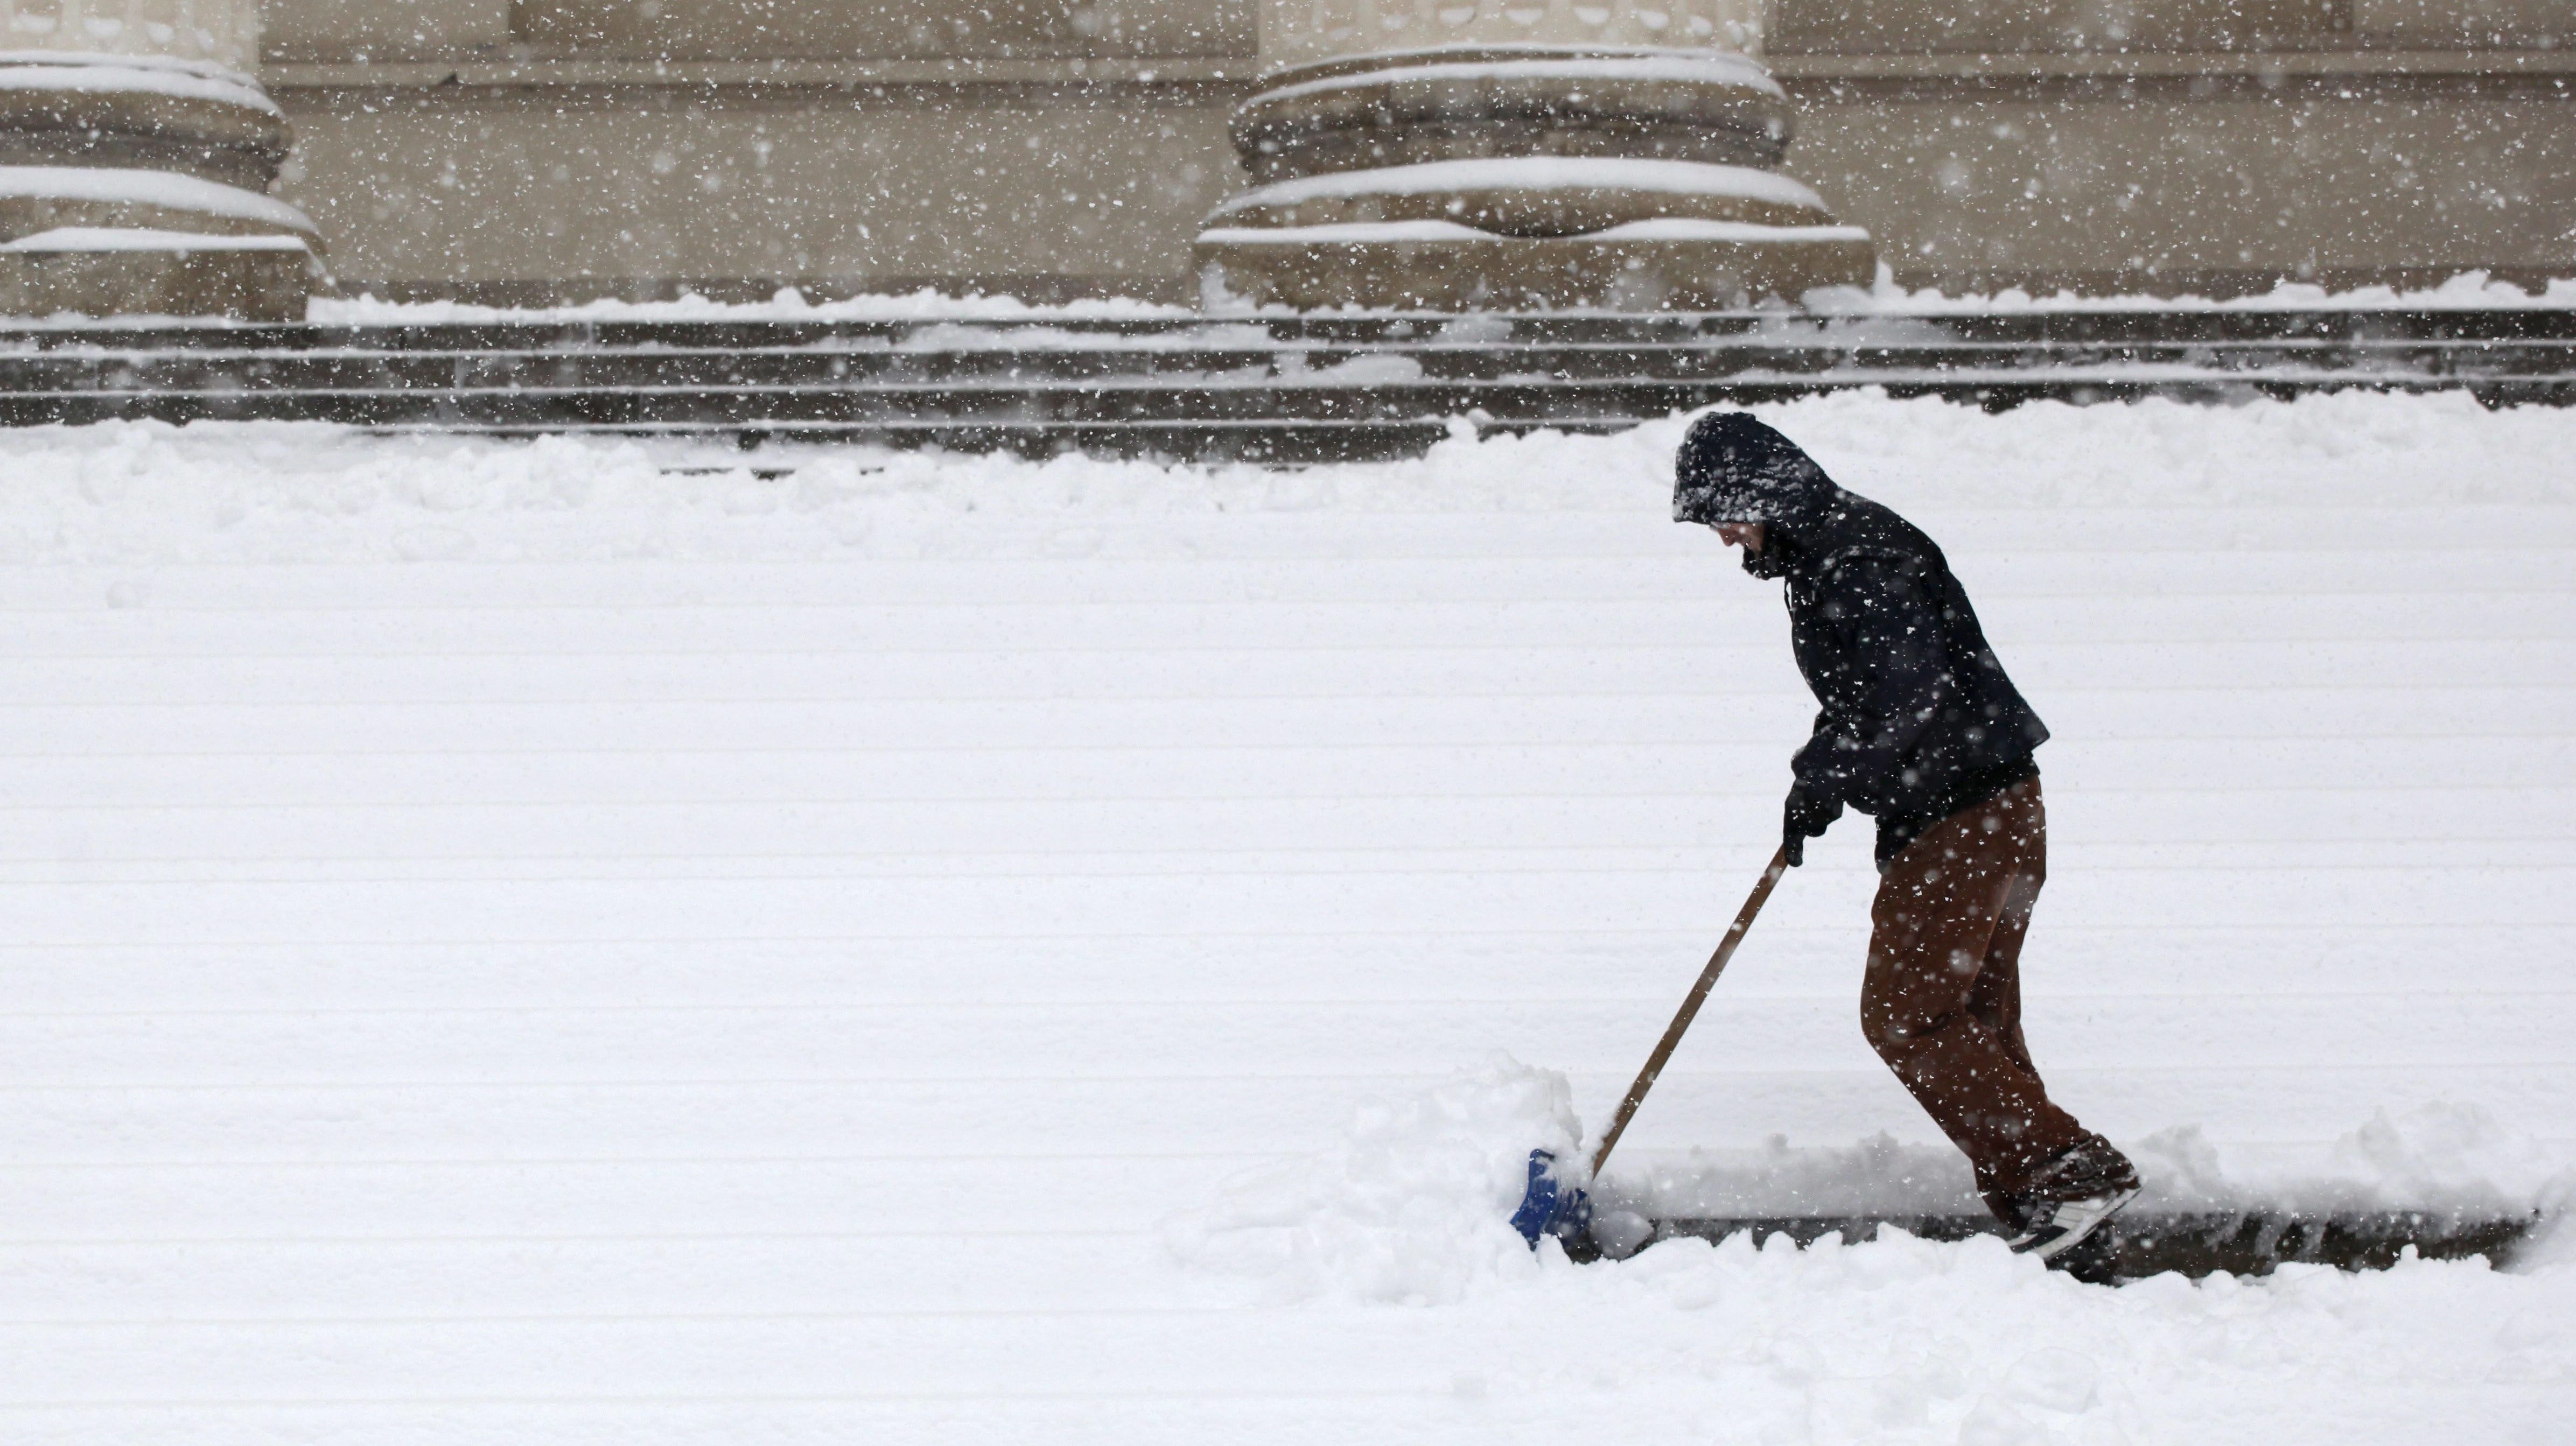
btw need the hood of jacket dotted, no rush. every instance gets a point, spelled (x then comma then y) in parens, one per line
(1734, 468)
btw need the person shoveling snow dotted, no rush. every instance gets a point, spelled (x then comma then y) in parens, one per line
(1921, 729)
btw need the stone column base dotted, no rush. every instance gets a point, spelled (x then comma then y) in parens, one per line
(1523, 178)
(134, 186)
(1647, 266)
(156, 273)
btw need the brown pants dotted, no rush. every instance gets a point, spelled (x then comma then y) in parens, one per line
(1942, 1002)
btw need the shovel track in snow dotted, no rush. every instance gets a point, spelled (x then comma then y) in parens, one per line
(2194, 1243)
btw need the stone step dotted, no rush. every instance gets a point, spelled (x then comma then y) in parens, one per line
(1276, 388)
(1335, 368)
(2531, 322)
(817, 409)
(1374, 330)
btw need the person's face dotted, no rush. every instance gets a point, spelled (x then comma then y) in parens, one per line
(1746, 535)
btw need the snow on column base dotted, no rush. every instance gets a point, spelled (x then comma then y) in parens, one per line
(138, 185)
(1669, 265)
(1458, 102)
(139, 113)
(127, 272)
(1522, 178)
(109, 241)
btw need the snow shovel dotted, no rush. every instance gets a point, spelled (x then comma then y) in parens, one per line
(1551, 1205)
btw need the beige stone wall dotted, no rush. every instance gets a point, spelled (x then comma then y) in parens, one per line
(386, 30)
(1287, 30)
(224, 32)
(2465, 22)
(2212, 147)
(1913, 27)
(2072, 26)
(727, 30)
(2201, 186)
(1297, 32)
(512, 194)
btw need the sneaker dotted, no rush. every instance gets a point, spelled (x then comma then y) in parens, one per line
(2073, 1196)
(2058, 1226)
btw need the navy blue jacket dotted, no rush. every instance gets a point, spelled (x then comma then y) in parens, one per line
(1917, 718)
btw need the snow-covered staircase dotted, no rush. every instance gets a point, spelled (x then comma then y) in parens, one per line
(1274, 388)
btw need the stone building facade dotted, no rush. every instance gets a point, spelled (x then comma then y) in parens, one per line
(542, 150)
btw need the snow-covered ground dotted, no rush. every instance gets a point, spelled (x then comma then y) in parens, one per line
(581, 943)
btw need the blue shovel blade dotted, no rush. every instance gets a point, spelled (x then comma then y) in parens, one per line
(1548, 1205)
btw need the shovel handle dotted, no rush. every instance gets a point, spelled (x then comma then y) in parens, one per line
(1690, 1009)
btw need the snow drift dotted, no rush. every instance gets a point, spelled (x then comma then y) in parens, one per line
(1409, 1207)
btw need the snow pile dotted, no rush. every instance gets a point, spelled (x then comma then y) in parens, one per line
(1899, 1339)
(291, 491)
(2453, 1155)
(1691, 67)
(168, 189)
(88, 72)
(1906, 1340)
(787, 304)
(1659, 228)
(1409, 1207)
(1878, 1176)
(2468, 291)
(145, 238)
(2437, 1158)
(1535, 173)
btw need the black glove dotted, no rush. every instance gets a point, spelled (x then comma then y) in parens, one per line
(1807, 816)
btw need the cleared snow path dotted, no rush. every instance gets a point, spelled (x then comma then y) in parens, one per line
(511, 944)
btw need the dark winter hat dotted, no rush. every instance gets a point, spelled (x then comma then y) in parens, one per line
(1732, 468)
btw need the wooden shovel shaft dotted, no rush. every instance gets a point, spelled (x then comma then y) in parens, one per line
(1689, 1010)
